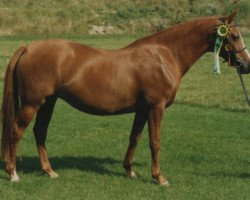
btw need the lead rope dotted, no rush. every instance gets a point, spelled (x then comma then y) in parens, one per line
(243, 85)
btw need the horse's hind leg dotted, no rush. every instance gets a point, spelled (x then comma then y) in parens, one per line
(141, 117)
(23, 119)
(40, 131)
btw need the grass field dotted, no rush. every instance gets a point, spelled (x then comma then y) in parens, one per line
(205, 146)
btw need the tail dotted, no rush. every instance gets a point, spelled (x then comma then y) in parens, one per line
(10, 104)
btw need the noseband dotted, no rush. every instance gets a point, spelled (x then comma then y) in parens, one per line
(236, 52)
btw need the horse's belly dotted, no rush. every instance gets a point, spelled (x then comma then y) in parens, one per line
(98, 111)
(100, 103)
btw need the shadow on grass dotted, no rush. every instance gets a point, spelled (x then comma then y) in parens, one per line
(89, 164)
(243, 175)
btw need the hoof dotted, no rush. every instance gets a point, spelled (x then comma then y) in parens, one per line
(51, 174)
(165, 184)
(14, 177)
(132, 174)
(161, 181)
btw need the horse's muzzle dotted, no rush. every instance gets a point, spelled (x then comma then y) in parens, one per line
(242, 66)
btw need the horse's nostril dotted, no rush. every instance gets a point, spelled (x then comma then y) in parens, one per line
(238, 63)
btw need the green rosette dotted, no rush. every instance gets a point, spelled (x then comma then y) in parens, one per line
(222, 32)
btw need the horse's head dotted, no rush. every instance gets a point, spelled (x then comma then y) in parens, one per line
(233, 50)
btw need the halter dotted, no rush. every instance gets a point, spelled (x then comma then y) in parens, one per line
(222, 33)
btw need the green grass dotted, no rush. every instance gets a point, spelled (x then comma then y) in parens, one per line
(204, 146)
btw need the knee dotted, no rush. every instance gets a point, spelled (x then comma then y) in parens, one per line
(40, 135)
(134, 140)
(16, 134)
(154, 146)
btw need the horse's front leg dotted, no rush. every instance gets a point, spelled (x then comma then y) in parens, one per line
(154, 124)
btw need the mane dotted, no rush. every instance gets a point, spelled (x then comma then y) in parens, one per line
(181, 25)
(175, 28)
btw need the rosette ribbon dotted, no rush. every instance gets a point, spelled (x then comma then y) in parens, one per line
(221, 33)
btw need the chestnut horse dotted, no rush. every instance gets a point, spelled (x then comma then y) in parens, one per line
(142, 78)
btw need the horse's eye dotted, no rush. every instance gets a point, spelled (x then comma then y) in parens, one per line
(235, 37)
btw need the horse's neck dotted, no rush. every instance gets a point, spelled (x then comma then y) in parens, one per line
(188, 42)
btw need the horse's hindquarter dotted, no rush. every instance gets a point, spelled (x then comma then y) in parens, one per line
(37, 71)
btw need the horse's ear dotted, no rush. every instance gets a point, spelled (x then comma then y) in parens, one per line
(230, 18)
